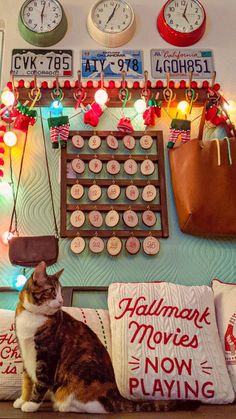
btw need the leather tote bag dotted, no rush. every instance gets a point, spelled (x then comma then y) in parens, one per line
(203, 178)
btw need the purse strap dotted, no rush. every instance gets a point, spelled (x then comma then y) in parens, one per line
(202, 123)
(13, 215)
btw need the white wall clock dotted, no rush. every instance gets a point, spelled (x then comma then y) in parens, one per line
(42, 22)
(111, 22)
(182, 23)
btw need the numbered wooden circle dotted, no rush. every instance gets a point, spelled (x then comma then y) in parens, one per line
(112, 142)
(146, 142)
(149, 193)
(113, 191)
(113, 167)
(95, 165)
(95, 218)
(132, 192)
(149, 218)
(78, 165)
(130, 218)
(129, 142)
(132, 245)
(78, 141)
(77, 191)
(114, 246)
(147, 167)
(96, 245)
(151, 245)
(77, 245)
(112, 218)
(130, 167)
(77, 218)
(94, 142)
(94, 192)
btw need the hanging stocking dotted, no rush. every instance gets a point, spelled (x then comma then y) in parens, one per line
(59, 129)
(25, 117)
(179, 128)
(93, 114)
(125, 125)
(215, 115)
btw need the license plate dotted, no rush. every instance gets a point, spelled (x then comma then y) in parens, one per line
(112, 63)
(42, 62)
(180, 62)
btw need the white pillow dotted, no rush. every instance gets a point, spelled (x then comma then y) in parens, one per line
(165, 343)
(97, 320)
(10, 360)
(225, 303)
(11, 364)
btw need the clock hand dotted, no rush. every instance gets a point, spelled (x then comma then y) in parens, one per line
(44, 4)
(184, 14)
(111, 16)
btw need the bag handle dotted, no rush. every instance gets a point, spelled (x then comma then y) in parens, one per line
(218, 150)
(19, 179)
(202, 123)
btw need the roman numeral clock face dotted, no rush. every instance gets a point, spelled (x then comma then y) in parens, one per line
(42, 22)
(182, 22)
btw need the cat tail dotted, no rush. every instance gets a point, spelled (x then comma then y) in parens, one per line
(114, 402)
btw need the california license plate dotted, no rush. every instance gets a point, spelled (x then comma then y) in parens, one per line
(42, 62)
(181, 62)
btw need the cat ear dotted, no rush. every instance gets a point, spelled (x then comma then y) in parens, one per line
(40, 274)
(58, 274)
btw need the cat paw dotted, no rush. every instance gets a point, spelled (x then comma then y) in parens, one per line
(30, 407)
(18, 403)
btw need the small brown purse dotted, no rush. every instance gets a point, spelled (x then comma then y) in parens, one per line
(28, 251)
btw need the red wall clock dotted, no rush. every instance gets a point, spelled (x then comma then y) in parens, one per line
(182, 22)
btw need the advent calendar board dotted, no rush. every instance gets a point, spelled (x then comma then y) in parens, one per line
(112, 188)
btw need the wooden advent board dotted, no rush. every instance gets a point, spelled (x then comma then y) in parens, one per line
(103, 179)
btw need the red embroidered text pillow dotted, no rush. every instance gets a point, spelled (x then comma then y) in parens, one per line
(165, 343)
(225, 303)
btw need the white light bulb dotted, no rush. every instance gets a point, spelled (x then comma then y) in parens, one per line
(6, 236)
(10, 138)
(140, 106)
(5, 189)
(19, 282)
(183, 106)
(101, 97)
(8, 98)
(230, 106)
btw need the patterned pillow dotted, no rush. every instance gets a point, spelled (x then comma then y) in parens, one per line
(11, 364)
(225, 304)
(165, 343)
(10, 360)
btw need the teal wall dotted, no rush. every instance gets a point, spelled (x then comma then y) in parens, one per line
(182, 259)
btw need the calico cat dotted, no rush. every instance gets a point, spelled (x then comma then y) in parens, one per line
(65, 356)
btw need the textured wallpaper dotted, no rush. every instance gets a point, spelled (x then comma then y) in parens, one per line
(182, 259)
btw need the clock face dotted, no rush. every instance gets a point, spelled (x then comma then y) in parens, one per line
(112, 16)
(41, 16)
(184, 16)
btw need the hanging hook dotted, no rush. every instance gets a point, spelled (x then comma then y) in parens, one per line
(213, 79)
(102, 79)
(79, 93)
(168, 94)
(34, 94)
(145, 94)
(123, 75)
(79, 79)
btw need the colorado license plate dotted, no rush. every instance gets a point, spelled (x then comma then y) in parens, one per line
(42, 62)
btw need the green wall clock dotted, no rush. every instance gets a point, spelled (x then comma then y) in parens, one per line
(42, 23)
